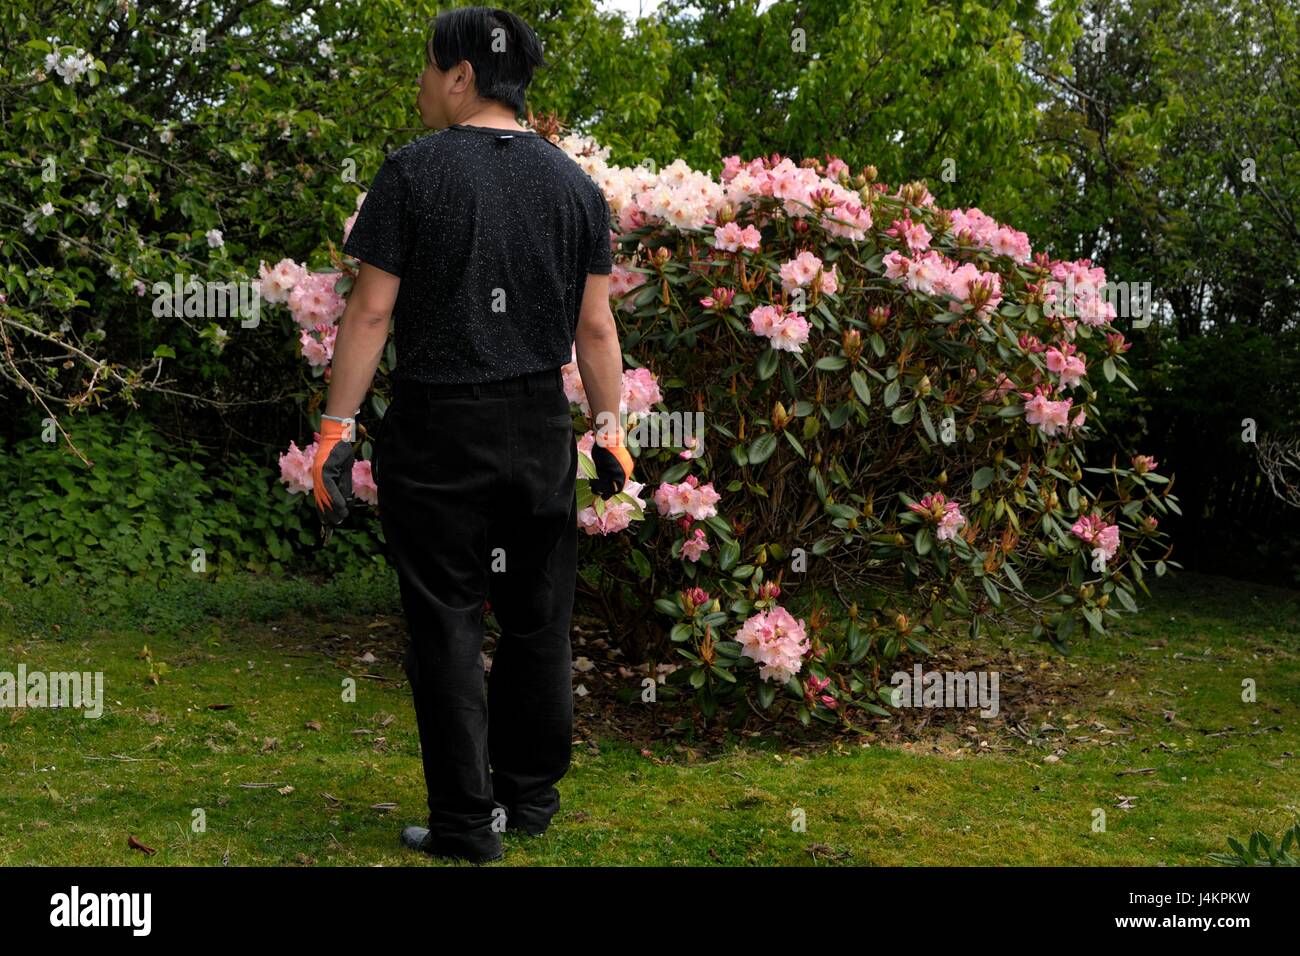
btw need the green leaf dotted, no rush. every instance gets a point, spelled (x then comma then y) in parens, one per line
(860, 387)
(983, 478)
(761, 448)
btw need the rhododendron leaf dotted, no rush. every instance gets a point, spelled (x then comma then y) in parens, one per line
(665, 606)
(1126, 598)
(761, 448)
(991, 589)
(766, 693)
(892, 391)
(643, 568)
(676, 472)
(1094, 619)
(378, 404)
(586, 465)
(1012, 576)
(722, 673)
(923, 542)
(903, 413)
(860, 387)
(729, 556)
(767, 360)
(983, 477)
(795, 444)
(831, 363)
(679, 633)
(1108, 368)
(925, 421)
(1077, 567)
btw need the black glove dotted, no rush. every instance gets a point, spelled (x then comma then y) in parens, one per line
(332, 473)
(613, 468)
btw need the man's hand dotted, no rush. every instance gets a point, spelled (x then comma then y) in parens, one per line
(331, 471)
(613, 464)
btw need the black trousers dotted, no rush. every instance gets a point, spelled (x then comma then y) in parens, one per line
(476, 499)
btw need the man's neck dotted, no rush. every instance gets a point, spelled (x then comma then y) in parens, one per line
(491, 119)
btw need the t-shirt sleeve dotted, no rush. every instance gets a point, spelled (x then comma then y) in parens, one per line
(601, 258)
(381, 234)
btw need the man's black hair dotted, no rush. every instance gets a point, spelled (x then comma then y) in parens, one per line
(503, 50)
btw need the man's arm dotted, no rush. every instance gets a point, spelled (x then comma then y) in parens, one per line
(600, 363)
(600, 358)
(363, 332)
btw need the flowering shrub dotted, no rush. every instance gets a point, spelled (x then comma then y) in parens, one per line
(896, 400)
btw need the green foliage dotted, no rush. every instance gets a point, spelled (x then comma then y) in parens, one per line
(1263, 851)
(142, 510)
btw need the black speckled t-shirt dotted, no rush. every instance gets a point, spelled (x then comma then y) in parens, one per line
(493, 233)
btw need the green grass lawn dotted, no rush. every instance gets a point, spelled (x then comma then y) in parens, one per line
(240, 688)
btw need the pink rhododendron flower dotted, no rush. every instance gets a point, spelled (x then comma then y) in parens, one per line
(618, 514)
(783, 330)
(1102, 537)
(688, 497)
(313, 300)
(278, 281)
(295, 467)
(1001, 386)
(1065, 363)
(695, 545)
(732, 237)
(802, 270)
(622, 281)
(319, 351)
(363, 483)
(974, 228)
(776, 641)
(944, 514)
(640, 391)
(573, 388)
(1050, 416)
(1143, 464)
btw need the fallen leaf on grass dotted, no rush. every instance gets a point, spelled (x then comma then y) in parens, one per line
(135, 844)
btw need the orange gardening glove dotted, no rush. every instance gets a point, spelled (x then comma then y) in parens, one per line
(331, 471)
(613, 464)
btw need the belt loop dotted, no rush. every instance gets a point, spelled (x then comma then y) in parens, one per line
(474, 389)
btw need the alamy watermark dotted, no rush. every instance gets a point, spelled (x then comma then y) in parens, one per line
(947, 689)
(196, 298)
(53, 689)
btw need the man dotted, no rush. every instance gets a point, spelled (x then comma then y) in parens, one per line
(491, 249)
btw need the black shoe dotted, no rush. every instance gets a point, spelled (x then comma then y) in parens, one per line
(419, 838)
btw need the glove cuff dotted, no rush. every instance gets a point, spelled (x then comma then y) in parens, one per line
(344, 429)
